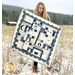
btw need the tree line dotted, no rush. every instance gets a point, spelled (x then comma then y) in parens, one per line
(60, 19)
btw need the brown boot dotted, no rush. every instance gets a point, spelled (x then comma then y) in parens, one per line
(35, 69)
(49, 68)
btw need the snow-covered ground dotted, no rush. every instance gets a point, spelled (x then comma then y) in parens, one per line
(62, 63)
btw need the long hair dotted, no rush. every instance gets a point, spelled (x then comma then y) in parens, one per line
(45, 15)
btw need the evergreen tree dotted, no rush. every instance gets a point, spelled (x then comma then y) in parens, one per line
(54, 19)
(3, 16)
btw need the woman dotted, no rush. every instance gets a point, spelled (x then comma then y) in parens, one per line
(40, 10)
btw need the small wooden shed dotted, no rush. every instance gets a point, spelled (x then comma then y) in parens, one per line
(11, 23)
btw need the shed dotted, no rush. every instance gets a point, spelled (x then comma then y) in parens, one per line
(11, 23)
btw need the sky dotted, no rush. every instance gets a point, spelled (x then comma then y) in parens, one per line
(57, 6)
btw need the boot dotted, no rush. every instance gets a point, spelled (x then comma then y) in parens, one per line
(49, 68)
(35, 69)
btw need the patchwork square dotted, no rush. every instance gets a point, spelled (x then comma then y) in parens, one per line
(36, 38)
(36, 52)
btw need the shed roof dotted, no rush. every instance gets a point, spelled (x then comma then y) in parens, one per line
(11, 22)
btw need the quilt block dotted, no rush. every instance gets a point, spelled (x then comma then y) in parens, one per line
(35, 37)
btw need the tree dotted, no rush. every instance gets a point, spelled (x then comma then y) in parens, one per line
(3, 16)
(54, 19)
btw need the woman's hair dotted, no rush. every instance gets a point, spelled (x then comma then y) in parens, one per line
(45, 15)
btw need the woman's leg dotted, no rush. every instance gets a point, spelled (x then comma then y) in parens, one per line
(35, 67)
(35, 63)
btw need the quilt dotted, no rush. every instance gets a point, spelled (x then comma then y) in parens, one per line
(35, 37)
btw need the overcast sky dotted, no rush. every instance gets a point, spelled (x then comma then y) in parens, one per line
(59, 6)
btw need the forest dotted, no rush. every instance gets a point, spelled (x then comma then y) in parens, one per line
(11, 13)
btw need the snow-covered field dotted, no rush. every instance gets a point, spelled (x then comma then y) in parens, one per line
(62, 63)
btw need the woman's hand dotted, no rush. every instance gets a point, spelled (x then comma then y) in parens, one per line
(24, 9)
(60, 26)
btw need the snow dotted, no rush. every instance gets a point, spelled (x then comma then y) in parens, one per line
(24, 65)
